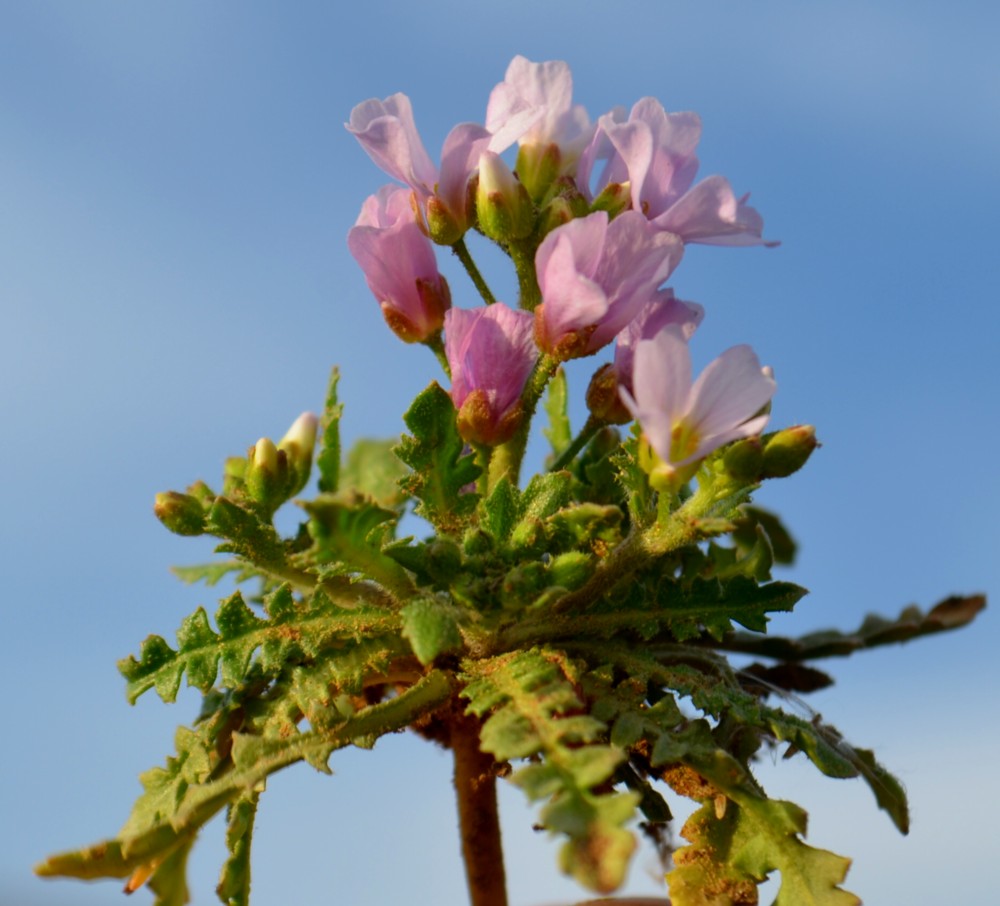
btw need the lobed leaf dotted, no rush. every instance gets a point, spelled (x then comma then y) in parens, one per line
(441, 468)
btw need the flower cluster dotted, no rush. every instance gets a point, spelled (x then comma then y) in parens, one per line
(595, 217)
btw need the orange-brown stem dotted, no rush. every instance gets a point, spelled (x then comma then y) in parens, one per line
(478, 816)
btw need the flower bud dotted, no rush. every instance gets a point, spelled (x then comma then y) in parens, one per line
(183, 514)
(298, 445)
(267, 474)
(522, 584)
(614, 198)
(571, 570)
(566, 206)
(538, 166)
(443, 226)
(503, 207)
(603, 399)
(744, 459)
(787, 451)
(479, 423)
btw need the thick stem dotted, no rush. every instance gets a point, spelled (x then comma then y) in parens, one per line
(478, 816)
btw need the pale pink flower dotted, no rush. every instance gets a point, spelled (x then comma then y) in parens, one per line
(654, 152)
(603, 397)
(595, 276)
(684, 422)
(491, 353)
(544, 90)
(399, 265)
(387, 131)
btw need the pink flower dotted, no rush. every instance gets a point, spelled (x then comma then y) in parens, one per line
(388, 133)
(654, 151)
(603, 397)
(399, 265)
(595, 276)
(546, 89)
(491, 353)
(684, 422)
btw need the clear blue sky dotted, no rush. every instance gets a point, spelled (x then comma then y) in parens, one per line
(175, 190)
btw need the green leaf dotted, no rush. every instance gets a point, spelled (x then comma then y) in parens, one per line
(373, 470)
(213, 573)
(753, 518)
(731, 853)
(346, 532)
(160, 827)
(951, 613)
(431, 628)
(328, 460)
(559, 432)
(534, 710)
(234, 884)
(441, 469)
(498, 513)
(169, 880)
(291, 634)
(247, 534)
(543, 497)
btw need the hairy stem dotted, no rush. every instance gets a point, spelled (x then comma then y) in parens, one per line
(478, 816)
(462, 251)
(592, 426)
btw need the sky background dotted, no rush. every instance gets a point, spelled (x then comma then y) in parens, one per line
(176, 186)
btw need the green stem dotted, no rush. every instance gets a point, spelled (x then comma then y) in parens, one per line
(436, 345)
(462, 251)
(507, 457)
(592, 426)
(522, 253)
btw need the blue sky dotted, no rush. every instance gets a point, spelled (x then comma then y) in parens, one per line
(176, 186)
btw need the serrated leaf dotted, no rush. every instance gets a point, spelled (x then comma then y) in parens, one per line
(534, 710)
(246, 534)
(732, 852)
(558, 432)
(328, 460)
(234, 883)
(213, 573)
(346, 532)
(951, 613)
(151, 836)
(441, 468)
(290, 634)
(373, 470)
(499, 512)
(431, 628)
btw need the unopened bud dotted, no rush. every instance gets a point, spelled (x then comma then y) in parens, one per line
(267, 477)
(443, 226)
(478, 423)
(183, 514)
(614, 198)
(566, 206)
(744, 459)
(787, 451)
(503, 207)
(538, 168)
(444, 560)
(298, 445)
(571, 570)
(522, 584)
(603, 399)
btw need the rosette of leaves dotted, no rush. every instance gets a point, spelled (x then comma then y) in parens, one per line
(570, 636)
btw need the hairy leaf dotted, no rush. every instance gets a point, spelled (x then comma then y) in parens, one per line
(291, 633)
(534, 710)
(441, 468)
(373, 470)
(328, 460)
